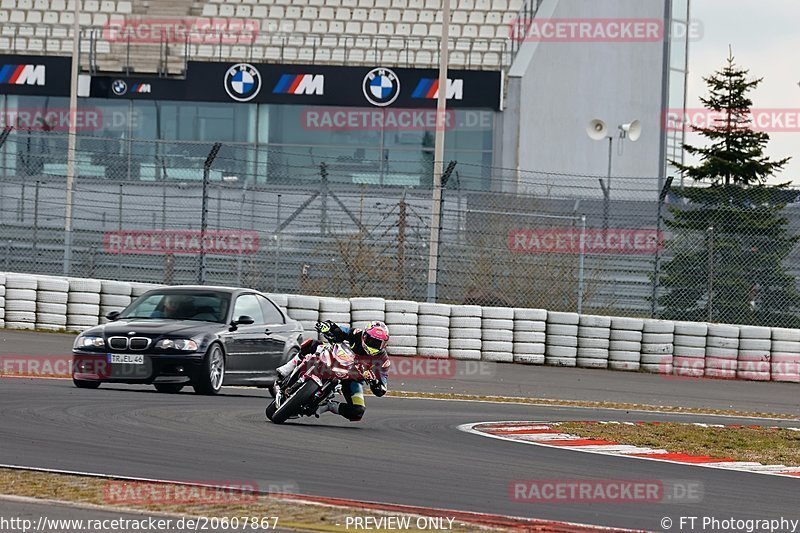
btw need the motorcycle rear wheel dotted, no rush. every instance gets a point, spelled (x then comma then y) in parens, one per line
(291, 405)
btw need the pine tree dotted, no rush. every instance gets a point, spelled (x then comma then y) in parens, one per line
(730, 240)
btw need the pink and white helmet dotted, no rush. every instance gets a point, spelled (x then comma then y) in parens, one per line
(375, 337)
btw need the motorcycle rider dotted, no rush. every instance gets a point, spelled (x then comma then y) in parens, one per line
(369, 346)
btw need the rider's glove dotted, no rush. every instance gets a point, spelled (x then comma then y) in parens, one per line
(330, 329)
(368, 376)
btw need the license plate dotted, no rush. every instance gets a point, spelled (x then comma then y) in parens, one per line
(127, 358)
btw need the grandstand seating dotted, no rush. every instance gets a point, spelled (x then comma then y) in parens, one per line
(389, 32)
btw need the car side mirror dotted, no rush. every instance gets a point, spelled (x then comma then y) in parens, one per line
(243, 320)
(113, 315)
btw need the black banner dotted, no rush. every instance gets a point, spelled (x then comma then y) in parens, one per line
(327, 85)
(34, 75)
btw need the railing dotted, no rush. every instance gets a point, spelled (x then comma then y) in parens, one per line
(165, 56)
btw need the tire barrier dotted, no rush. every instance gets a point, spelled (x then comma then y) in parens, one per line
(20, 301)
(83, 303)
(561, 339)
(2, 300)
(497, 334)
(689, 349)
(304, 309)
(467, 332)
(658, 346)
(755, 351)
(785, 355)
(401, 318)
(625, 348)
(594, 337)
(433, 330)
(722, 347)
(51, 303)
(114, 296)
(365, 310)
(530, 326)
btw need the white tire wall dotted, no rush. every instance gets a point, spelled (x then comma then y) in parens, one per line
(365, 310)
(19, 301)
(689, 349)
(51, 303)
(433, 336)
(560, 327)
(625, 346)
(658, 337)
(465, 332)
(785, 355)
(753, 360)
(528, 336)
(402, 318)
(497, 334)
(722, 351)
(594, 334)
(304, 309)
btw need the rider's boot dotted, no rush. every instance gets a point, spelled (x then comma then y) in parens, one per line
(331, 406)
(286, 369)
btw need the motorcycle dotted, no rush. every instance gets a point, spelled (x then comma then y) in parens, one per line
(315, 380)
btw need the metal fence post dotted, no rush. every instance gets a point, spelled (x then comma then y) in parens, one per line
(581, 263)
(36, 225)
(710, 270)
(201, 271)
(119, 227)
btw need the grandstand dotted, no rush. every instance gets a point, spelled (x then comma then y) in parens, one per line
(355, 32)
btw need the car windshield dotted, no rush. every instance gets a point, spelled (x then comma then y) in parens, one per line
(203, 306)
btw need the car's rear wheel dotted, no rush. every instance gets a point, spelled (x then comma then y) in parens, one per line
(212, 372)
(83, 384)
(168, 388)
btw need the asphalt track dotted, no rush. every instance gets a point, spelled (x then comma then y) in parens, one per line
(406, 451)
(534, 381)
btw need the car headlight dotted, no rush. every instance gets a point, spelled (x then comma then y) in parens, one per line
(89, 342)
(187, 345)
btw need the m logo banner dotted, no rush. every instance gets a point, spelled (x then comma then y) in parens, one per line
(22, 74)
(429, 88)
(300, 84)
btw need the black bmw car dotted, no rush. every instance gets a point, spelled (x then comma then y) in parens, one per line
(201, 336)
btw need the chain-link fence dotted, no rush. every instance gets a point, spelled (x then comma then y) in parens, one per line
(280, 220)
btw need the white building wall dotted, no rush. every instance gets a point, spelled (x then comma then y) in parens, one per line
(560, 86)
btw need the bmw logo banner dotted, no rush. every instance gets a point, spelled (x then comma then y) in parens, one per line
(377, 86)
(242, 82)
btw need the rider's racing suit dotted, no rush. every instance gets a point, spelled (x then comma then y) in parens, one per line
(352, 390)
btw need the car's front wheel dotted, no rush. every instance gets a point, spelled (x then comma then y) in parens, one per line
(83, 384)
(212, 372)
(168, 388)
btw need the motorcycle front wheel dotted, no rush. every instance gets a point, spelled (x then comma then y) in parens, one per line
(292, 405)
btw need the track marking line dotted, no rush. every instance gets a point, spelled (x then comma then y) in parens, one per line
(577, 443)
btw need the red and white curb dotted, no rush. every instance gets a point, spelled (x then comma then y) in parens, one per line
(548, 434)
